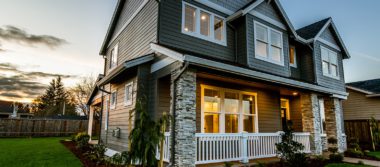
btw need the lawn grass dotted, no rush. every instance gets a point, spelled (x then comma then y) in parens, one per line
(375, 154)
(38, 152)
(345, 165)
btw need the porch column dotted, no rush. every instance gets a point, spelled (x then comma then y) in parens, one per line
(334, 122)
(90, 121)
(184, 150)
(311, 120)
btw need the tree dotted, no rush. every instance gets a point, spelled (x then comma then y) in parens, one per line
(55, 101)
(81, 92)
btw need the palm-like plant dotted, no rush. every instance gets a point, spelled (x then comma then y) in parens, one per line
(144, 137)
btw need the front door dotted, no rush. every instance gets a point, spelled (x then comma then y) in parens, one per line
(284, 113)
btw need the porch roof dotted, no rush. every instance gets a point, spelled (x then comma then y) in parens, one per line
(242, 71)
(124, 66)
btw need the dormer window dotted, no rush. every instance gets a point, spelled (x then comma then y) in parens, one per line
(329, 63)
(203, 24)
(268, 44)
(113, 57)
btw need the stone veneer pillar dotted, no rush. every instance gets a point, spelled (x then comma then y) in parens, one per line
(334, 126)
(311, 120)
(184, 150)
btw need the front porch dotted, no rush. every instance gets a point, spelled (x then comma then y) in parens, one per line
(223, 118)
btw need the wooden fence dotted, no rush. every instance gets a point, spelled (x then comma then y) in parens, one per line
(41, 127)
(360, 130)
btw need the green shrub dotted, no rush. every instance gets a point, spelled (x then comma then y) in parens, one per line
(354, 153)
(81, 140)
(96, 153)
(228, 164)
(336, 158)
(320, 158)
(360, 163)
(290, 150)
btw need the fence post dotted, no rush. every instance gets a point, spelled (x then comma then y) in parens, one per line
(244, 147)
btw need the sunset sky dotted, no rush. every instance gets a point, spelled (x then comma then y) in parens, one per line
(41, 39)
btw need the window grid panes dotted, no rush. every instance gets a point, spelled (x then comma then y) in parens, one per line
(268, 44)
(113, 100)
(329, 63)
(228, 111)
(203, 24)
(128, 93)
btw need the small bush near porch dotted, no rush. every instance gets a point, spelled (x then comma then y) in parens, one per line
(15, 152)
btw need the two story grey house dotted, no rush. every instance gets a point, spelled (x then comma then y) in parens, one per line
(232, 74)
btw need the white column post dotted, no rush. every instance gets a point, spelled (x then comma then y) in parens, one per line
(244, 147)
(90, 122)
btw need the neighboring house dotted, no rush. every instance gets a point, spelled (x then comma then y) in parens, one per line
(363, 101)
(8, 110)
(232, 73)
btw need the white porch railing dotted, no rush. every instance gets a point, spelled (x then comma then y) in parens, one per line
(166, 148)
(216, 147)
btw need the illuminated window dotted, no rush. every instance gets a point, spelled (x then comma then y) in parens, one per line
(228, 111)
(113, 57)
(292, 56)
(203, 24)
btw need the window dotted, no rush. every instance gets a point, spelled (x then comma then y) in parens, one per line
(128, 94)
(329, 63)
(113, 57)
(268, 44)
(322, 115)
(292, 56)
(228, 111)
(113, 100)
(203, 24)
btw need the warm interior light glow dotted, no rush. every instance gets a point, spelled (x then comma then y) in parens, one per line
(203, 17)
(186, 29)
(295, 93)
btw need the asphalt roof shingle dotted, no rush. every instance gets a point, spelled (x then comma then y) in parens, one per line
(368, 85)
(310, 31)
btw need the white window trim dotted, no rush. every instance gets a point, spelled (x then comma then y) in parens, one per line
(130, 101)
(321, 104)
(268, 59)
(113, 103)
(330, 64)
(222, 113)
(295, 57)
(197, 32)
(116, 53)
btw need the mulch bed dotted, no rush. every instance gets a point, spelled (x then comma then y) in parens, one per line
(310, 163)
(79, 154)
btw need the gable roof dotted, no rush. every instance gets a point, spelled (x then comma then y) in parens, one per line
(111, 26)
(369, 86)
(312, 32)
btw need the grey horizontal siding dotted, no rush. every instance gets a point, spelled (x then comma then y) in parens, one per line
(129, 7)
(305, 62)
(328, 36)
(337, 84)
(232, 5)
(269, 11)
(135, 39)
(241, 45)
(264, 65)
(170, 33)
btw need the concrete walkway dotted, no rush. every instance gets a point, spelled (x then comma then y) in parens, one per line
(365, 161)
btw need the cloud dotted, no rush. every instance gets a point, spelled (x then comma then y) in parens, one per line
(23, 84)
(12, 33)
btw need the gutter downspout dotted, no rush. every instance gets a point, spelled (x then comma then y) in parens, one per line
(176, 77)
(101, 111)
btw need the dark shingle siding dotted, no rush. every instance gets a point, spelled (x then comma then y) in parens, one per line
(264, 65)
(328, 36)
(129, 8)
(372, 85)
(324, 80)
(232, 5)
(170, 33)
(269, 11)
(311, 30)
